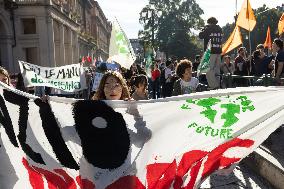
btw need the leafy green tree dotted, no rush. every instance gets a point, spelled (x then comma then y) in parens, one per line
(171, 23)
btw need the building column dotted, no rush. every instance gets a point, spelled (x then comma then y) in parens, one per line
(42, 30)
(75, 46)
(14, 66)
(50, 42)
(71, 47)
(7, 54)
(17, 51)
(62, 47)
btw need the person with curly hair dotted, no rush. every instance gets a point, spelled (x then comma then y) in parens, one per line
(186, 84)
(112, 87)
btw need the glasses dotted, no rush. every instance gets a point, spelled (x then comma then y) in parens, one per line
(115, 86)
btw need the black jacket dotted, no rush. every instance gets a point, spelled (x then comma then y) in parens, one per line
(213, 32)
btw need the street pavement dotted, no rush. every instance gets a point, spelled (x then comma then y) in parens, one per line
(241, 178)
(275, 143)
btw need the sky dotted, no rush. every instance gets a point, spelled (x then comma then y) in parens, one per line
(127, 11)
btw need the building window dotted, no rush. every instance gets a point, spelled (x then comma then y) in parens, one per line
(31, 55)
(29, 25)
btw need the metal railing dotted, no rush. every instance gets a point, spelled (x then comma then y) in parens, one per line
(264, 80)
(232, 80)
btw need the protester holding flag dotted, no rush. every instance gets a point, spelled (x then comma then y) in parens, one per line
(213, 32)
(112, 87)
(186, 84)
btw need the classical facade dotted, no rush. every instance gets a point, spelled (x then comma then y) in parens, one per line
(101, 29)
(46, 32)
(87, 42)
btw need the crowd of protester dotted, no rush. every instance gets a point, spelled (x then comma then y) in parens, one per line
(171, 77)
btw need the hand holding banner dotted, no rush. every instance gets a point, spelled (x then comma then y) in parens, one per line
(118, 144)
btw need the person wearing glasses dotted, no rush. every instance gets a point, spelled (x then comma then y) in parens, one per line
(112, 87)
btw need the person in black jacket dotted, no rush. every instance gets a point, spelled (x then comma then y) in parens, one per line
(213, 32)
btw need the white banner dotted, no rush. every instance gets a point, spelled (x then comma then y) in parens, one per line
(167, 143)
(68, 78)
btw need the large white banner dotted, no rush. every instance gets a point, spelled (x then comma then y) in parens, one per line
(168, 143)
(68, 78)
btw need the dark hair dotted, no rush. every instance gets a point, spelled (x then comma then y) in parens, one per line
(197, 57)
(182, 66)
(136, 80)
(168, 62)
(100, 94)
(256, 54)
(102, 67)
(212, 20)
(20, 81)
(240, 49)
(279, 43)
(260, 46)
(227, 56)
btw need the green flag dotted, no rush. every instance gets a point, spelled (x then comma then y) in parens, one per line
(205, 61)
(149, 62)
(120, 49)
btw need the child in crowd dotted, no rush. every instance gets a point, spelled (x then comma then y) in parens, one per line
(186, 84)
(140, 82)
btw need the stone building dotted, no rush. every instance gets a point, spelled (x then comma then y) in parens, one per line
(48, 32)
(101, 29)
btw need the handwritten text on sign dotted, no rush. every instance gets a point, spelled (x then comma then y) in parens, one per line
(67, 78)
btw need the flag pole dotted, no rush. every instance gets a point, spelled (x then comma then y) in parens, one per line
(249, 38)
(236, 11)
(236, 18)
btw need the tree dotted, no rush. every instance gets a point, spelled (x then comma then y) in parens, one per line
(171, 24)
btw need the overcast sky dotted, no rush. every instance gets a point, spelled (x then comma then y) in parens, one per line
(127, 11)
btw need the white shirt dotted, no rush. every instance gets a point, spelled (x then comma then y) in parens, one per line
(188, 87)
